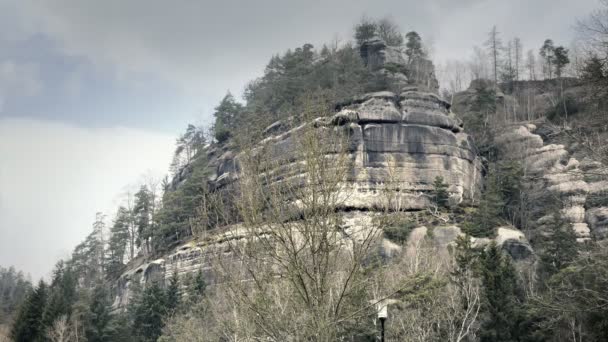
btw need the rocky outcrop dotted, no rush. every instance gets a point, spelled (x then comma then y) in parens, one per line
(401, 71)
(398, 142)
(552, 174)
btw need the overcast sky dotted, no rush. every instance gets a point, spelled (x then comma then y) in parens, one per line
(93, 93)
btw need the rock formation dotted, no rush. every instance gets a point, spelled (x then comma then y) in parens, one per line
(398, 141)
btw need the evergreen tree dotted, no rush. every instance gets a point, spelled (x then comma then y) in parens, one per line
(198, 286)
(558, 248)
(142, 215)
(226, 116)
(29, 325)
(488, 213)
(440, 194)
(365, 30)
(119, 239)
(173, 297)
(560, 59)
(413, 46)
(149, 313)
(547, 51)
(62, 294)
(501, 297)
(98, 318)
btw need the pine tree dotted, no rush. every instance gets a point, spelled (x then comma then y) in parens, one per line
(547, 51)
(29, 325)
(501, 297)
(142, 215)
(149, 313)
(119, 239)
(558, 248)
(440, 194)
(488, 213)
(226, 116)
(173, 297)
(62, 294)
(98, 318)
(197, 289)
(413, 47)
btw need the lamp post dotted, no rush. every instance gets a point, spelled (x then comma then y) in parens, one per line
(382, 308)
(382, 315)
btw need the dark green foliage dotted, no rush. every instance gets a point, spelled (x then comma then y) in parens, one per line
(119, 239)
(365, 30)
(149, 312)
(62, 294)
(558, 246)
(178, 213)
(501, 297)
(198, 286)
(414, 45)
(598, 199)
(400, 231)
(488, 215)
(187, 147)
(98, 327)
(142, 215)
(335, 75)
(173, 296)
(557, 111)
(226, 117)
(440, 194)
(28, 325)
(477, 120)
(577, 294)
(13, 291)
(560, 59)
(88, 258)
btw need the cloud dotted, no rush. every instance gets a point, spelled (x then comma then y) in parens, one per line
(54, 177)
(18, 79)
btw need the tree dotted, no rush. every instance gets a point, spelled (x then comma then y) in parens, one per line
(365, 30)
(98, 326)
(413, 47)
(517, 55)
(547, 51)
(62, 295)
(173, 296)
(198, 286)
(488, 214)
(142, 215)
(560, 60)
(531, 65)
(149, 313)
(494, 45)
(558, 247)
(226, 116)
(501, 297)
(292, 248)
(440, 195)
(28, 325)
(118, 241)
(389, 32)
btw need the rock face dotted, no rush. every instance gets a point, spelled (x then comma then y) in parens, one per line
(554, 172)
(397, 142)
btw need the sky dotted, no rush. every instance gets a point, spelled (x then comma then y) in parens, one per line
(94, 93)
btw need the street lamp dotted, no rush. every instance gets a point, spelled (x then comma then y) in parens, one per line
(382, 315)
(382, 310)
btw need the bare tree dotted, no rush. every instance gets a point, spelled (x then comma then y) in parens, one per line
(517, 56)
(494, 46)
(531, 65)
